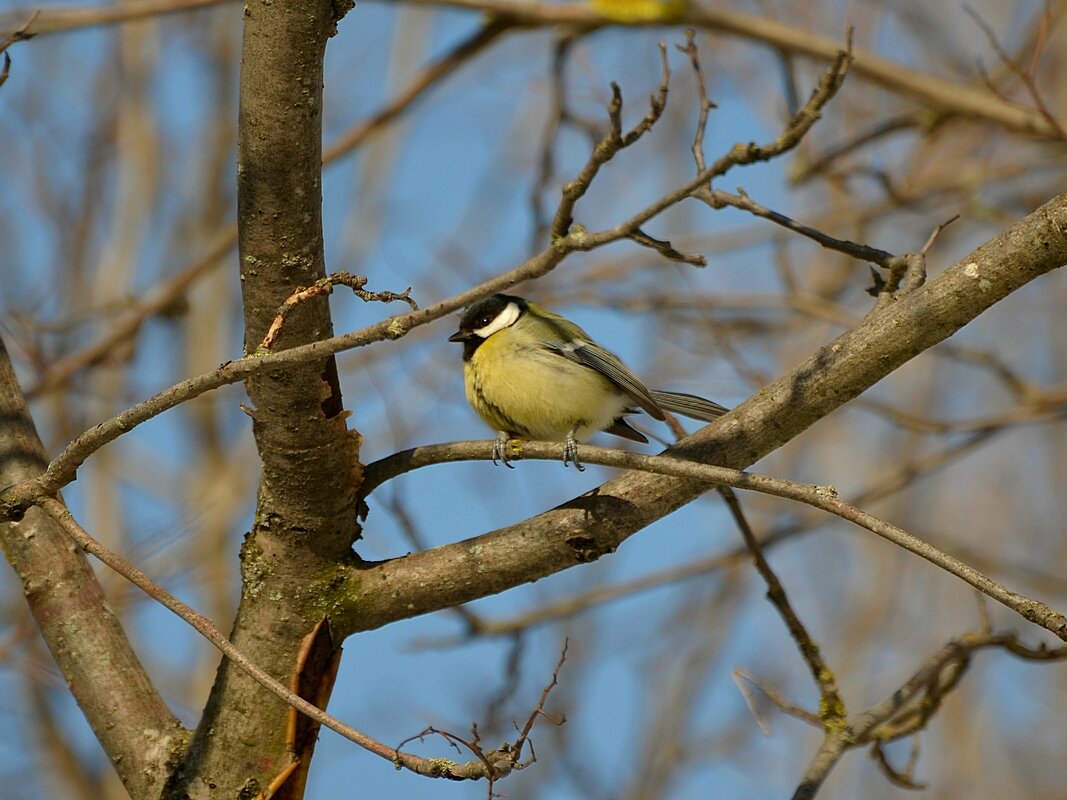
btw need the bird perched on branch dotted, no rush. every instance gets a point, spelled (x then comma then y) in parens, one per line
(532, 374)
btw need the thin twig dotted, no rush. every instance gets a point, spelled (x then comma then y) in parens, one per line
(608, 147)
(739, 155)
(665, 249)
(1025, 75)
(691, 50)
(906, 710)
(539, 709)
(322, 288)
(831, 706)
(901, 778)
(500, 762)
(429, 767)
(717, 198)
(822, 497)
(559, 113)
(937, 232)
(745, 679)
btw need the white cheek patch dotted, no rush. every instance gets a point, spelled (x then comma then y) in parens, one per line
(502, 320)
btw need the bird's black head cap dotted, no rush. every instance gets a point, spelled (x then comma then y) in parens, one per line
(485, 311)
(480, 315)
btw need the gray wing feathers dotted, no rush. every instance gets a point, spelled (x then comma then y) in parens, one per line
(596, 357)
(688, 405)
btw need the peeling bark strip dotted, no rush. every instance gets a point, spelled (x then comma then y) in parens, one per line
(840, 371)
(129, 718)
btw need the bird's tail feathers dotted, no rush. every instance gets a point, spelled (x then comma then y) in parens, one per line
(688, 405)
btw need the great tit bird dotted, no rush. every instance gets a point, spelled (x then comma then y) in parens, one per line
(532, 374)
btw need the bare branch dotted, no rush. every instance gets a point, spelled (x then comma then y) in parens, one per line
(717, 198)
(931, 90)
(56, 20)
(429, 767)
(82, 631)
(744, 679)
(739, 155)
(665, 249)
(324, 287)
(831, 706)
(670, 464)
(690, 49)
(539, 709)
(607, 148)
(907, 709)
(886, 486)
(62, 469)
(902, 778)
(1025, 75)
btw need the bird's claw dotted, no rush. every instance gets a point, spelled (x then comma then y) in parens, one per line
(570, 452)
(500, 451)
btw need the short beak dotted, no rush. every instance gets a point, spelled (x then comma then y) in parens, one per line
(460, 336)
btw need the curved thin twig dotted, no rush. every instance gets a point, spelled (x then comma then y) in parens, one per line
(428, 767)
(821, 497)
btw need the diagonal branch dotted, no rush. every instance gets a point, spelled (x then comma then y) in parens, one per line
(223, 240)
(595, 524)
(57, 20)
(130, 719)
(821, 497)
(428, 767)
(614, 141)
(936, 91)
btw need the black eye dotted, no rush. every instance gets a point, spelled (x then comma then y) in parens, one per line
(484, 321)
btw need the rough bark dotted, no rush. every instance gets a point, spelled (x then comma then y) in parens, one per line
(305, 518)
(129, 718)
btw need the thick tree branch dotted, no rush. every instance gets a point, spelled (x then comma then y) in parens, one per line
(904, 475)
(820, 497)
(595, 524)
(305, 515)
(130, 719)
